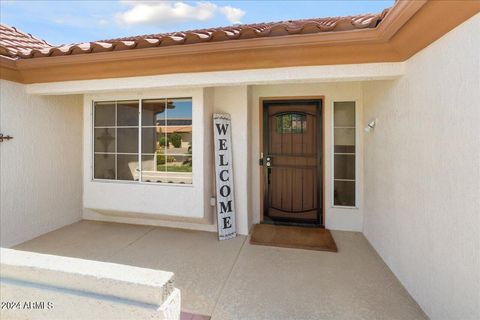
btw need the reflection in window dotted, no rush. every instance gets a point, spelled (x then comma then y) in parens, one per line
(291, 123)
(161, 151)
(167, 142)
(344, 175)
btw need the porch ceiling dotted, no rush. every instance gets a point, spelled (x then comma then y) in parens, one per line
(334, 73)
(235, 280)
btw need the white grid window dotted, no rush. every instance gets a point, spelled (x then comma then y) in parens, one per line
(160, 152)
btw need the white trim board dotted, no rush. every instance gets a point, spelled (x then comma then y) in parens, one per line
(347, 72)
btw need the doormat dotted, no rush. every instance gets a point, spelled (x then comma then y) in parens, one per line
(319, 239)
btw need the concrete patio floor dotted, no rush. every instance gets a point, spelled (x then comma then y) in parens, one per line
(235, 280)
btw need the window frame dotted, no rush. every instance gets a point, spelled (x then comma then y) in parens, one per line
(139, 151)
(356, 180)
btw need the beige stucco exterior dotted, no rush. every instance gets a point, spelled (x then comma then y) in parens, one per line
(161, 204)
(40, 180)
(422, 174)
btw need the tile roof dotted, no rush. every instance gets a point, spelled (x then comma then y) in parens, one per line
(16, 44)
(13, 41)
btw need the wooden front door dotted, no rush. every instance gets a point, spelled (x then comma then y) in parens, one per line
(292, 148)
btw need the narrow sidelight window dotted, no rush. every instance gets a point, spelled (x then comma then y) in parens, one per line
(344, 155)
(143, 140)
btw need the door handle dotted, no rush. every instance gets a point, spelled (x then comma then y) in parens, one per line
(7, 137)
(268, 164)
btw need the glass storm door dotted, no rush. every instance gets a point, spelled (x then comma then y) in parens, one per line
(292, 162)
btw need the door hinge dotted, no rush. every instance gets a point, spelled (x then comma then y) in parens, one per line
(7, 137)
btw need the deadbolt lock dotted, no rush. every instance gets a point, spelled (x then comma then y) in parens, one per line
(268, 161)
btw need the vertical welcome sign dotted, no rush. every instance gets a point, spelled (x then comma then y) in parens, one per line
(224, 176)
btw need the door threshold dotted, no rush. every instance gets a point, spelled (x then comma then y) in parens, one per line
(293, 224)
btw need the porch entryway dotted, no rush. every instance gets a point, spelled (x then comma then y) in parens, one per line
(235, 280)
(292, 161)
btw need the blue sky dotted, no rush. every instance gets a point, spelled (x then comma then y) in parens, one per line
(61, 22)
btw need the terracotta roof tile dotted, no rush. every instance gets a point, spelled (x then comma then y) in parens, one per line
(17, 44)
(14, 42)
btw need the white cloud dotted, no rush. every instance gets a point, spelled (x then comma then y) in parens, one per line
(234, 15)
(102, 22)
(172, 12)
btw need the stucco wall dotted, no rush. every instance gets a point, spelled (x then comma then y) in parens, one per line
(181, 206)
(126, 200)
(422, 174)
(41, 176)
(166, 205)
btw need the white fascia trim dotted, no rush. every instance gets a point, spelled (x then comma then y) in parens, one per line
(333, 73)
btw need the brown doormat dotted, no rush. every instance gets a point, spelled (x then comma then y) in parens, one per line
(293, 237)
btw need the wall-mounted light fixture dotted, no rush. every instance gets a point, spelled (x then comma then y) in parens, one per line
(371, 125)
